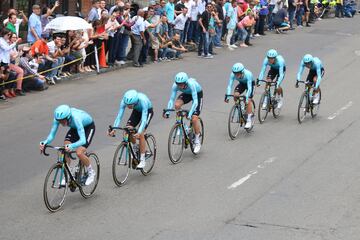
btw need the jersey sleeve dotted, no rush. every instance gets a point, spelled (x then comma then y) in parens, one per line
(81, 132)
(52, 133)
(263, 68)
(172, 97)
(301, 70)
(230, 83)
(120, 114)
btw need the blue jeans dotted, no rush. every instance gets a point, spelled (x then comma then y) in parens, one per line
(204, 44)
(339, 10)
(185, 34)
(181, 33)
(193, 31)
(123, 41)
(299, 15)
(270, 17)
(59, 61)
(291, 17)
(242, 34)
(217, 37)
(170, 30)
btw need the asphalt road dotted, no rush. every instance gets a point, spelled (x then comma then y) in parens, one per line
(282, 181)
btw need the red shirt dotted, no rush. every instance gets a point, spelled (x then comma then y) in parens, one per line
(42, 47)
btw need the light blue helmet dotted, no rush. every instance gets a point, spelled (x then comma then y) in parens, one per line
(131, 97)
(62, 112)
(308, 58)
(238, 68)
(181, 77)
(272, 53)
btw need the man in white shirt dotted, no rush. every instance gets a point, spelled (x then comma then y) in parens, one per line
(180, 22)
(192, 34)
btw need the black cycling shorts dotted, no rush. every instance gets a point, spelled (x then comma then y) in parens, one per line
(312, 74)
(73, 136)
(135, 118)
(186, 98)
(241, 87)
(274, 73)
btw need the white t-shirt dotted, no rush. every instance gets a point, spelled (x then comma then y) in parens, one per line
(17, 24)
(180, 21)
(52, 47)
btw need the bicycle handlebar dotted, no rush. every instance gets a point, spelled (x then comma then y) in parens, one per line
(231, 95)
(272, 83)
(126, 129)
(181, 111)
(305, 82)
(58, 149)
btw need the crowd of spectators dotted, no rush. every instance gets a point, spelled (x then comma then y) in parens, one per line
(162, 32)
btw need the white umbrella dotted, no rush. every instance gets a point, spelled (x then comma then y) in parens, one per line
(68, 23)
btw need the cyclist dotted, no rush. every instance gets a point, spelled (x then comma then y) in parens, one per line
(142, 113)
(191, 91)
(316, 72)
(78, 138)
(246, 82)
(277, 70)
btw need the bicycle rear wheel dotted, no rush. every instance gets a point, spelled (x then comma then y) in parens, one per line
(87, 191)
(303, 107)
(263, 108)
(234, 121)
(54, 193)
(315, 107)
(121, 164)
(150, 154)
(201, 137)
(253, 117)
(176, 144)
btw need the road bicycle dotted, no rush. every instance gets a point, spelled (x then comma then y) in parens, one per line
(182, 136)
(61, 177)
(268, 101)
(238, 116)
(306, 104)
(127, 156)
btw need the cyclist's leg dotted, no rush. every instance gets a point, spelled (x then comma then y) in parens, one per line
(81, 151)
(181, 100)
(239, 89)
(70, 137)
(134, 120)
(249, 107)
(142, 142)
(195, 117)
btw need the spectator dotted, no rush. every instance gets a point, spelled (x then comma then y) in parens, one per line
(94, 13)
(102, 9)
(263, 12)
(112, 27)
(34, 26)
(102, 40)
(137, 38)
(193, 25)
(231, 16)
(55, 53)
(6, 80)
(170, 14)
(219, 25)
(152, 22)
(45, 17)
(179, 23)
(339, 9)
(246, 22)
(205, 49)
(5, 47)
(11, 23)
(119, 4)
(281, 21)
(292, 11)
(14, 57)
(160, 11)
(214, 21)
(19, 21)
(177, 46)
(271, 14)
(123, 35)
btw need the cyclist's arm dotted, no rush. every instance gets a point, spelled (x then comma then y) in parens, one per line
(263, 68)
(52, 133)
(195, 100)
(281, 74)
(144, 116)
(300, 72)
(319, 77)
(172, 97)
(231, 82)
(120, 114)
(81, 133)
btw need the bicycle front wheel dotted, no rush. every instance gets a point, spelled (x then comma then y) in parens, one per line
(121, 164)
(150, 154)
(316, 107)
(55, 187)
(87, 190)
(303, 107)
(176, 143)
(263, 107)
(234, 121)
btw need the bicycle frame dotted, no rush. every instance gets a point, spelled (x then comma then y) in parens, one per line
(238, 101)
(180, 121)
(268, 85)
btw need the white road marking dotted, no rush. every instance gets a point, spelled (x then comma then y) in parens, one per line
(251, 173)
(338, 112)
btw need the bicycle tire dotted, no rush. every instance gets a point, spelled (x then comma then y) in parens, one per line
(201, 137)
(87, 191)
(262, 116)
(275, 110)
(177, 130)
(57, 167)
(149, 165)
(126, 163)
(253, 117)
(302, 109)
(315, 107)
(234, 113)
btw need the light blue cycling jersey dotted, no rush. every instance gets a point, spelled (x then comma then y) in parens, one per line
(279, 64)
(247, 79)
(193, 88)
(315, 66)
(143, 105)
(79, 120)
